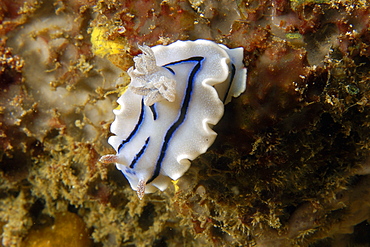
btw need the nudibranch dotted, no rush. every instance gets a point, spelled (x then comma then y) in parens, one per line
(165, 118)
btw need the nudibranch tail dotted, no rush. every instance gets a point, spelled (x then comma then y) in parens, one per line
(176, 95)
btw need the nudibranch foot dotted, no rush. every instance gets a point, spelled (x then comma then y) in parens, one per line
(176, 95)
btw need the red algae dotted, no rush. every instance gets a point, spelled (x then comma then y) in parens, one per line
(271, 89)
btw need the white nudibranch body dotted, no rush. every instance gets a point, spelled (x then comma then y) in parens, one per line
(177, 93)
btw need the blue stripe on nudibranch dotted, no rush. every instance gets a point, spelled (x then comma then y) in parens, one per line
(130, 171)
(169, 69)
(183, 111)
(134, 131)
(154, 112)
(233, 71)
(140, 153)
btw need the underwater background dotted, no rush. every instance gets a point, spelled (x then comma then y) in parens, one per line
(290, 165)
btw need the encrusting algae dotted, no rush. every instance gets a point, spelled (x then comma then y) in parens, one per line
(290, 165)
(68, 229)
